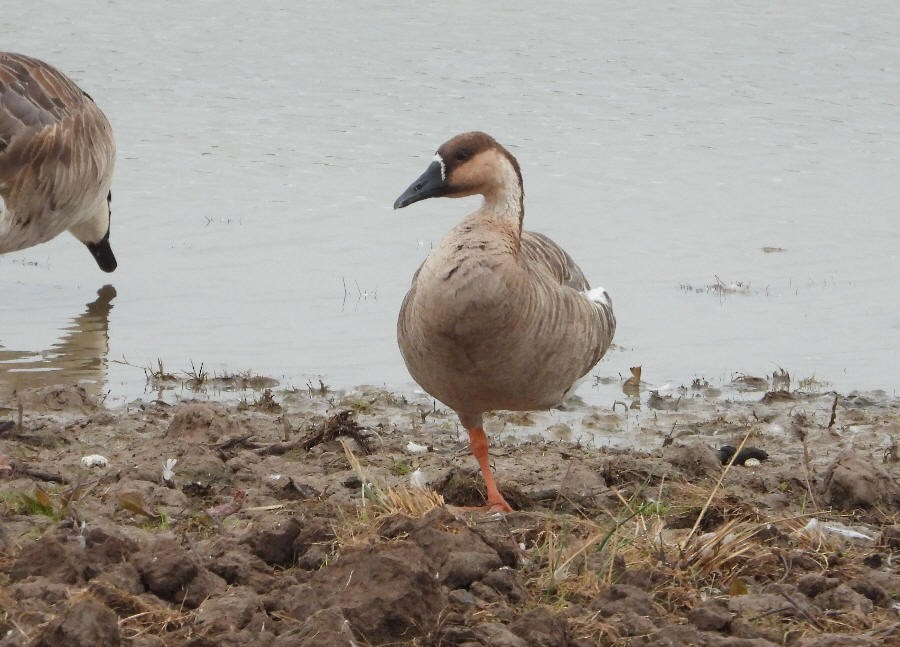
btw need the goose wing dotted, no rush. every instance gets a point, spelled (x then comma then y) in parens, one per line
(573, 298)
(539, 250)
(52, 134)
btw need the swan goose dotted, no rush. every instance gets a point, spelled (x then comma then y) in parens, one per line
(496, 317)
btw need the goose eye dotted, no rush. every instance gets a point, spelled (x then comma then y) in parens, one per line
(461, 155)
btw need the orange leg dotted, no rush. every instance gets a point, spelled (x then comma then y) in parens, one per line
(479, 443)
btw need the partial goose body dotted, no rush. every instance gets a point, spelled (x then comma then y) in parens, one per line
(496, 317)
(56, 160)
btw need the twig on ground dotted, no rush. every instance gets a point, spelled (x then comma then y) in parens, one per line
(40, 475)
(833, 412)
(233, 442)
(803, 612)
(340, 424)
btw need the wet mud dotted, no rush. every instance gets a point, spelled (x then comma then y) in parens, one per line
(308, 517)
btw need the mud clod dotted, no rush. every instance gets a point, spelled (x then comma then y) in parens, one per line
(712, 615)
(542, 628)
(165, 568)
(86, 623)
(854, 481)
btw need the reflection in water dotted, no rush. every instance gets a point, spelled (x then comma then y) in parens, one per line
(79, 357)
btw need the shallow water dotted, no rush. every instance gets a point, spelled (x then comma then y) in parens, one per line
(261, 148)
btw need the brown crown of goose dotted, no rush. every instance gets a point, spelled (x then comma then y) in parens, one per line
(456, 154)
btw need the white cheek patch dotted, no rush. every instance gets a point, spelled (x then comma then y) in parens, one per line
(440, 160)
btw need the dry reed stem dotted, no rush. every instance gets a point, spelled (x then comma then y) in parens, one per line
(715, 489)
(387, 500)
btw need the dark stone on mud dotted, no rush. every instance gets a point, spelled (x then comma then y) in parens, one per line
(695, 460)
(506, 581)
(843, 598)
(541, 627)
(711, 615)
(812, 584)
(875, 560)
(275, 544)
(165, 568)
(725, 452)
(86, 623)
(620, 598)
(51, 557)
(854, 481)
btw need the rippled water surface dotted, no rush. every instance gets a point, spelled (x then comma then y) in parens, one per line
(261, 146)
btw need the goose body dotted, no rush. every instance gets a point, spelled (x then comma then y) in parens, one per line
(496, 317)
(56, 160)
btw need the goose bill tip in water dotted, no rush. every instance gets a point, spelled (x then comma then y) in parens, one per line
(432, 183)
(103, 254)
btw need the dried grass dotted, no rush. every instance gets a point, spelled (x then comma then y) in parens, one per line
(576, 558)
(381, 499)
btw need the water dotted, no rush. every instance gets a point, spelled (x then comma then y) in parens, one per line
(261, 147)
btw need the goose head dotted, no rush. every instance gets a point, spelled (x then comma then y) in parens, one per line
(94, 233)
(468, 164)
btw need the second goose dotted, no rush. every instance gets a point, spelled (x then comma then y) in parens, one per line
(496, 317)
(56, 160)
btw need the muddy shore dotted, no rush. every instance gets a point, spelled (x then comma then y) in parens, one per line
(309, 517)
